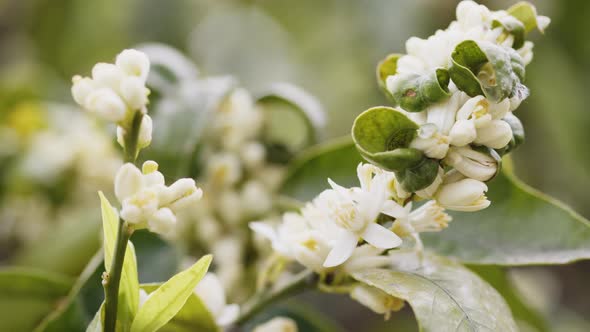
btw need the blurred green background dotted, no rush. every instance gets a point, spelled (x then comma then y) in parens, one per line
(329, 48)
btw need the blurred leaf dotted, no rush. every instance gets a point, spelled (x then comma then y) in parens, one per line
(129, 284)
(193, 316)
(78, 239)
(96, 323)
(293, 117)
(166, 301)
(28, 295)
(168, 67)
(307, 319)
(521, 227)
(444, 295)
(386, 68)
(526, 13)
(497, 277)
(309, 172)
(70, 315)
(157, 260)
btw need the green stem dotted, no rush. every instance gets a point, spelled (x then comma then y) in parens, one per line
(305, 280)
(131, 138)
(113, 278)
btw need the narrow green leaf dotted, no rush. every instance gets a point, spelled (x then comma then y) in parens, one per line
(444, 295)
(166, 301)
(522, 226)
(293, 117)
(527, 14)
(129, 286)
(96, 323)
(27, 295)
(308, 174)
(193, 316)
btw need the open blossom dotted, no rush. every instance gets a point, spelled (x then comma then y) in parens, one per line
(147, 201)
(211, 292)
(430, 217)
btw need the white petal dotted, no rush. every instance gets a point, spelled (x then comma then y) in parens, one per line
(381, 237)
(395, 210)
(264, 229)
(342, 250)
(229, 314)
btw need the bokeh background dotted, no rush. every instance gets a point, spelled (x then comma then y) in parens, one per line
(330, 48)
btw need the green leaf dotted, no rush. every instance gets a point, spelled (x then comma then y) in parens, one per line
(96, 323)
(415, 93)
(129, 286)
(511, 26)
(157, 260)
(497, 278)
(308, 173)
(193, 316)
(444, 295)
(487, 69)
(522, 226)
(387, 67)
(166, 301)
(292, 117)
(527, 14)
(27, 295)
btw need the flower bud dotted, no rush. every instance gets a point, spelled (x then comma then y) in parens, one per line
(470, 14)
(224, 169)
(376, 300)
(253, 154)
(277, 324)
(255, 198)
(430, 217)
(128, 181)
(140, 207)
(107, 75)
(433, 144)
(471, 163)
(81, 88)
(181, 194)
(134, 63)
(151, 176)
(463, 132)
(463, 195)
(162, 222)
(106, 104)
(432, 188)
(145, 132)
(495, 135)
(134, 92)
(476, 109)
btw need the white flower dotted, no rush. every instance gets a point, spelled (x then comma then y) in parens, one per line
(253, 154)
(376, 300)
(463, 195)
(134, 92)
(430, 217)
(470, 14)
(224, 169)
(146, 200)
(496, 135)
(255, 198)
(81, 88)
(463, 132)
(431, 142)
(134, 63)
(277, 324)
(485, 116)
(471, 163)
(107, 75)
(106, 104)
(211, 292)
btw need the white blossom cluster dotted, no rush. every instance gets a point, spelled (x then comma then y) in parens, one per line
(146, 200)
(115, 92)
(449, 129)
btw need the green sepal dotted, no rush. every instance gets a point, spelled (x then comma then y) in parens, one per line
(382, 135)
(490, 70)
(419, 176)
(517, 134)
(527, 14)
(415, 93)
(387, 67)
(512, 26)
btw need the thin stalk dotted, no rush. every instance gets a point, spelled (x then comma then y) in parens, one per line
(131, 138)
(303, 281)
(113, 278)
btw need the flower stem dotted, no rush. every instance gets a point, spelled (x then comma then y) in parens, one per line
(303, 281)
(112, 280)
(131, 138)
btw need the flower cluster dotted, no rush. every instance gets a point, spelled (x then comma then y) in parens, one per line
(147, 201)
(116, 92)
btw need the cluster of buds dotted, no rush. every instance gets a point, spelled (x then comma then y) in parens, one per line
(117, 92)
(146, 200)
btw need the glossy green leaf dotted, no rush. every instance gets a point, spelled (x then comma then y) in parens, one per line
(415, 93)
(497, 277)
(308, 174)
(129, 286)
(521, 227)
(444, 295)
(387, 67)
(28, 295)
(166, 301)
(292, 117)
(193, 316)
(526, 13)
